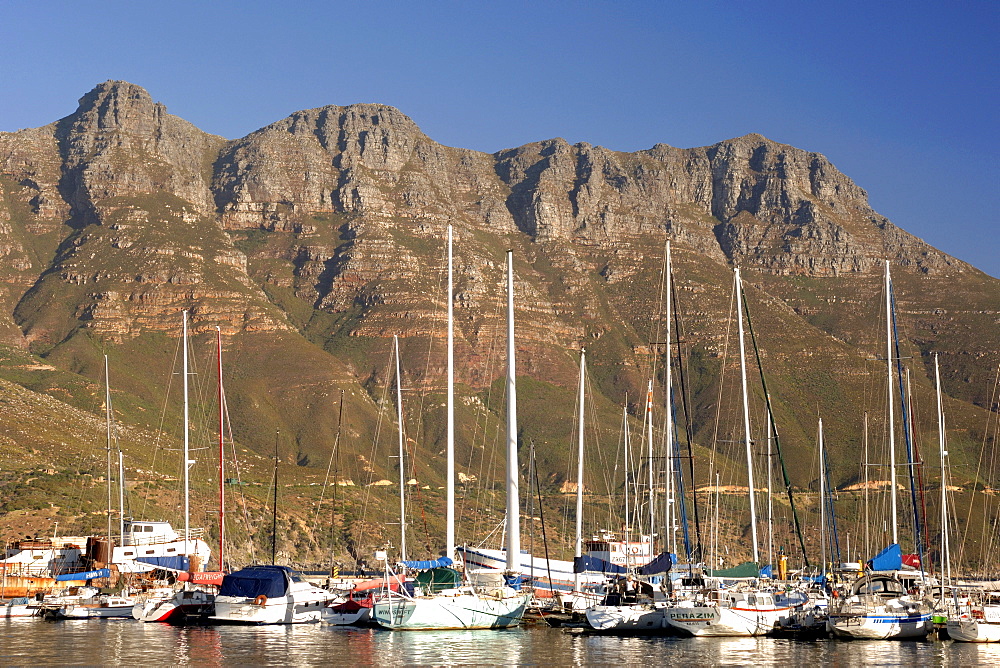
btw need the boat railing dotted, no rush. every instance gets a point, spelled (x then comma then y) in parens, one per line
(192, 534)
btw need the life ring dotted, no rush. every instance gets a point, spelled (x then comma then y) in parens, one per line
(634, 549)
(260, 600)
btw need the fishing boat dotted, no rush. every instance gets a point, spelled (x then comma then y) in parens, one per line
(468, 606)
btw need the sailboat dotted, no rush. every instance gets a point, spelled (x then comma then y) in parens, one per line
(877, 605)
(195, 596)
(976, 619)
(747, 610)
(631, 606)
(577, 584)
(467, 606)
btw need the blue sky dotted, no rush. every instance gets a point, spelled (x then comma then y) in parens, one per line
(900, 96)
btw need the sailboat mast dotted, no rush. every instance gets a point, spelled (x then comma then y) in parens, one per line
(107, 416)
(274, 503)
(649, 448)
(746, 416)
(450, 484)
(121, 497)
(626, 451)
(579, 470)
(402, 472)
(945, 547)
(770, 495)
(222, 452)
(867, 463)
(822, 501)
(889, 405)
(187, 440)
(513, 509)
(668, 421)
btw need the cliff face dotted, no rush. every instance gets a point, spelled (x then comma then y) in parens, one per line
(329, 225)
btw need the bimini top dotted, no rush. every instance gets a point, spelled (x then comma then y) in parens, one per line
(254, 581)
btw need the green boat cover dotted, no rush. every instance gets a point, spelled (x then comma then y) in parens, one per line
(437, 579)
(747, 569)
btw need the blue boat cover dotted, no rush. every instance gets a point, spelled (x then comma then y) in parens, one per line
(178, 563)
(254, 581)
(443, 562)
(889, 559)
(767, 572)
(662, 564)
(588, 564)
(85, 575)
(513, 581)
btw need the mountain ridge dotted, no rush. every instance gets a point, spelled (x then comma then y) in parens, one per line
(319, 236)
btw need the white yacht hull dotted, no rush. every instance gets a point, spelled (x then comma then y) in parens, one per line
(443, 612)
(358, 617)
(626, 619)
(176, 606)
(879, 625)
(736, 621)
(122, 609)
(973, 630)
(278, 610)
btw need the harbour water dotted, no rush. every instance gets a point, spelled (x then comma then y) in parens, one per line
(125, 642)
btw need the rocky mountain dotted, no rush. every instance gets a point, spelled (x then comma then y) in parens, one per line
(311, 242)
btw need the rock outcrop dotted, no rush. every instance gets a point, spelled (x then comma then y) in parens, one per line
(329, 225)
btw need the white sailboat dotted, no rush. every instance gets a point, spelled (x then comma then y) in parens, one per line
(625, 609)
(976, 619)
(746, 611)
(195, 595)
(878, 605)
(469, 607)
(574, 589)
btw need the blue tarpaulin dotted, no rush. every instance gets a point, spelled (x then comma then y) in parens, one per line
(889, 559)
(767, 572)
(443, 562)
(513, 581)
(588, 564)
(662, 564)
(255, 581)
(85, 575)
(178, 563)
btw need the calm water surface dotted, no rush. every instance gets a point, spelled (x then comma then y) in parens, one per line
(35, 641)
